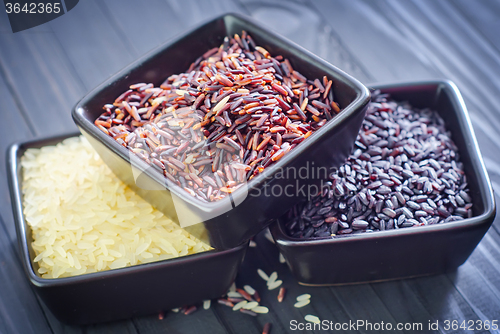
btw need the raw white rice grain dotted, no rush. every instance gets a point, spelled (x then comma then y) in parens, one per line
(206, 304)
(263, 274)
(84, 219)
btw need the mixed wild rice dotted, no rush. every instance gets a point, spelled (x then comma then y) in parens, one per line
(405, 171)
(234, 112)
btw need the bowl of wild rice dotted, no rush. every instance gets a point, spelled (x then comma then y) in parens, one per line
(211, 126)
(413, 198)
(93, 249)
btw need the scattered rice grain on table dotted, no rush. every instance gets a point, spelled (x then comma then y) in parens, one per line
(240, 305)
(312, 318)
(251, 305)
(236, 111)
(281, 294)
(275, 284)
(304, 296)
(249, 289)
(263, 274)
(84, 219)
(260, 309)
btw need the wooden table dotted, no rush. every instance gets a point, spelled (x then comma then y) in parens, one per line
(45, 70)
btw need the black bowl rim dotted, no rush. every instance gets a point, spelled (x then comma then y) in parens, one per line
(362, 98)
(487, 196)
(19, 221)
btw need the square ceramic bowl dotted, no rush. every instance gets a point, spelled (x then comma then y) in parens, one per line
(119, 293)
(236, 218)
(408, 252)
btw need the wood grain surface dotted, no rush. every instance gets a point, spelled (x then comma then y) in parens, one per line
(45, 70)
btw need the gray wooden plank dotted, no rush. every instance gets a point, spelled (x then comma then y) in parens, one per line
(92, 43)
(478, 280)
(362, 303)
(482, 296)
(266, 257)
(123, 326)
(17, 300)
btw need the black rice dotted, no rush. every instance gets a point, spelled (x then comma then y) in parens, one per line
(404, 172)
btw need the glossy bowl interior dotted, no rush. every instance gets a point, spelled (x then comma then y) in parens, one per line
(126, 292)
(405, 252)
(233, 220)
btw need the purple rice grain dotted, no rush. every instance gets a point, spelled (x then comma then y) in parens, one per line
(404, 172)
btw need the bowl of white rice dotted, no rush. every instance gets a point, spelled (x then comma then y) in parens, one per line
(93, 249)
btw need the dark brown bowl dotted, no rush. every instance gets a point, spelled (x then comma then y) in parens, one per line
(126, 292)
(236, 218)
(405, 252)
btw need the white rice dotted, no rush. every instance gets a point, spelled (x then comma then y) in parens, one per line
(260, 309)
(84, 219)
(250, 305)
(239, 305)
(273, 277)
(234, 294)
(302, 303)
(249, 289)
(274, 284)
(312, 318)
(263, 274)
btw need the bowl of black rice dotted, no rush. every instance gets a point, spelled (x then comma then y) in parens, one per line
(413, 199)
